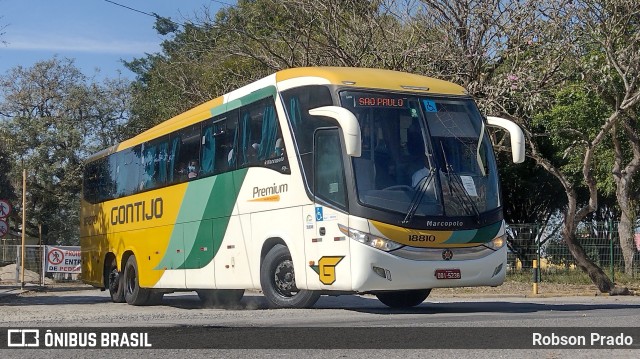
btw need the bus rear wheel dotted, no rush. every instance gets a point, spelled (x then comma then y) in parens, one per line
(115, 283)
(403, 298)
(133, 293)
(278, 281)
(220, 298)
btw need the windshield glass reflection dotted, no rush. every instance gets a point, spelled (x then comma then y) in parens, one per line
(423, 156)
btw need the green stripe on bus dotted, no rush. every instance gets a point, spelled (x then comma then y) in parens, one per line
(487, 233)
(215, 219)
(269, 91)
(202, 221)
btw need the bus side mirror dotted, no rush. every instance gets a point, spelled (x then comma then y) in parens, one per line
(515, 133)
(348, 123)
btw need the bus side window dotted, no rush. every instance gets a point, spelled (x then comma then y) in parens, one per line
(329, 169)
(90, 182)
(131, 170)
(208, 150)
(260, 135)
(172, 163)
(230, 144)
(187, 157)
(248, 144)
(298, 102)
(225, 133)
(149, 163)
(155, 156)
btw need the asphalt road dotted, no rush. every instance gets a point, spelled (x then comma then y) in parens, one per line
(92, 308)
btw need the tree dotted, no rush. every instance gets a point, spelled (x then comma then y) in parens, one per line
(241, 44)
(624, 174)
(604, 27)
(614, 70)
(50, 117)
(513, 56)
(6, 185)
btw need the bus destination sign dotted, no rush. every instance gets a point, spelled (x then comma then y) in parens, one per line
(380, 101)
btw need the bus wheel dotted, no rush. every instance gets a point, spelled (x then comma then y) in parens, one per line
(403, 298)
(133, 294)
(279, 284)
(220, 298)
(115, 283)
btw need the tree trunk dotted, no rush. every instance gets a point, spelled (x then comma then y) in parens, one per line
(595, 273)
(623, 178)
(625, 235)
(598, 277)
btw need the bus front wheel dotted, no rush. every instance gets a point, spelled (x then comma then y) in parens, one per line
(133, 293)
(278, 281)
(403, 298)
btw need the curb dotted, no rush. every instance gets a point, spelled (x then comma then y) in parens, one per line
(10, 292)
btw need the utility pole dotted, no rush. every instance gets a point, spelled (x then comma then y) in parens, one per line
(24, 223)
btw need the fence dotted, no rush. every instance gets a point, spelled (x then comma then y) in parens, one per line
(526, 243)
(10, 257)
(599, 240)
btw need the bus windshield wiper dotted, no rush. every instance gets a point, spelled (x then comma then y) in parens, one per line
(422, 187)
(456, 187)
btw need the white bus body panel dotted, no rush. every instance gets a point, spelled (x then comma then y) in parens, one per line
(414, 274)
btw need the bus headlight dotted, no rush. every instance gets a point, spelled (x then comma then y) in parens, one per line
(380, 243)
(497, 242)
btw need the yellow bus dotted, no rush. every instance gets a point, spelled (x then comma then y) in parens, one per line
(308, 182)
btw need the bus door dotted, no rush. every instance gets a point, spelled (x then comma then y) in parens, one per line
(326, 247)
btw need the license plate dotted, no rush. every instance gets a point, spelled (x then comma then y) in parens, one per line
(448, 274)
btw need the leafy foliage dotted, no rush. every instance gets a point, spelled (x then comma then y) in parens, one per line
(53, 117)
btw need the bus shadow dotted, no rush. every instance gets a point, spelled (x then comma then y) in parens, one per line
(373, 306)
(362, 304)
(16, 301)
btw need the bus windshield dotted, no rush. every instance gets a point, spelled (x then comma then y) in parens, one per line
(425, 156)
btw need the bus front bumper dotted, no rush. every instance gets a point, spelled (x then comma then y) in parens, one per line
(376, 270)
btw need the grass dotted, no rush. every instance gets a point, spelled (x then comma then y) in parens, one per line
(571, 276)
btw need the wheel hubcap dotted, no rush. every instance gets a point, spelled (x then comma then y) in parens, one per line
(284, 279)
(114, 276)
(131, 281)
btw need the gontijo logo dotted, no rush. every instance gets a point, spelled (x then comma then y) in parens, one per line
(137, 212)
(326, 268)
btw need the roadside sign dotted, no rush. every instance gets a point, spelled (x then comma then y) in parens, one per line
(65, 259)
(5, 208)
(4, 228)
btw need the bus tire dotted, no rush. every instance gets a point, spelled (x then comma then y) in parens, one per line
(278, 283)
(115, 282)
(133, 294)
(403, 298)
(220, 298)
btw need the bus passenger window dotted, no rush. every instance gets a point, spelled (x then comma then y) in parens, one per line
(261, 141)
(149, 162)
(188, 150)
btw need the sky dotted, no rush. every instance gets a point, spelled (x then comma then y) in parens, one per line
(96, 34)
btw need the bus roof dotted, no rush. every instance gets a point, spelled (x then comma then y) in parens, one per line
(374, 78)
(344, 76)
